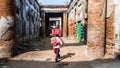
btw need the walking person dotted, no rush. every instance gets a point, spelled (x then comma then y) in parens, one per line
(58, 31)
(56, 42)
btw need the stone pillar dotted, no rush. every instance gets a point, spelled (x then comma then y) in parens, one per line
(96, 27)
(65, 25)
(7, 26)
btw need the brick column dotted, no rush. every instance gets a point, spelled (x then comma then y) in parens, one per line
(110, 35)
(65, 25)
(96, 28)
(7, 26)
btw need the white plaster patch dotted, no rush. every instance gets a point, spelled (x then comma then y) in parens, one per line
(5, 23)
(117, 25)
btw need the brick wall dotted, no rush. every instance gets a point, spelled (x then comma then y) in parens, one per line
(7, 39)
(95, 34)
(110, 35)
(64, 24)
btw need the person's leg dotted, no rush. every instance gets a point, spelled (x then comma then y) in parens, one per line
(55, 50)
(57, 55)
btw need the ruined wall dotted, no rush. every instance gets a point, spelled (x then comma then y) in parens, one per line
(95, 36)
(7, 27)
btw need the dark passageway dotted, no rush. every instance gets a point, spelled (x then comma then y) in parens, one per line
(53, 17)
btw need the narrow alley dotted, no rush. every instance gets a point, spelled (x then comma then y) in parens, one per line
(59, 34)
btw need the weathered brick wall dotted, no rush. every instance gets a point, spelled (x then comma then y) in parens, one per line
(64, 24)
(7, 8)
(110, 35)
(95, 36)
(71, 29)
(7, 38)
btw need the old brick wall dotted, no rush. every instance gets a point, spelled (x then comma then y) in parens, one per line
(110, 35)
(71, 29)
(7, 13)
(7, 8)
(95, 36)
(65, 25)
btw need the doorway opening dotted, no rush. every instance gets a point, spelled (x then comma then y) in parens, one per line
(53, 20)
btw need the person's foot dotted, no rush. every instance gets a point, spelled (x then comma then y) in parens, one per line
(56, 61)
(58, 57)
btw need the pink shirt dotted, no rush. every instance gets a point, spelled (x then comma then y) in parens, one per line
(58, 41)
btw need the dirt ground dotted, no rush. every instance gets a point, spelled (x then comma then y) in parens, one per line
(72, 56)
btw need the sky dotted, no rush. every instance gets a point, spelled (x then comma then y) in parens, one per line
(53, 2)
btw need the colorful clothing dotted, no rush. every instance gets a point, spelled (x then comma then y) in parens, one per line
(56, 31)
(56, 41)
